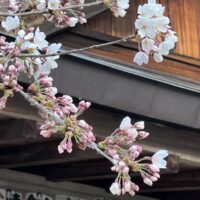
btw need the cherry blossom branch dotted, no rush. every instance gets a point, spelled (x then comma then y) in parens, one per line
(56, 118)
(62, 53)
(24, 14)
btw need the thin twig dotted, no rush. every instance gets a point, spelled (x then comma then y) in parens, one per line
(24, 14)
(62, 53)
(57, 119)
(35, 104)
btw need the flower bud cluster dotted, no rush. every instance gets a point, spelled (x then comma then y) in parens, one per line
(155, 35)
(150, 166)
(62, 107)
(74, 130)
(77, 130)
(121, 148)
(43, 91)
(8, 50)
(123, 181)
(80, 132)
(8, 83)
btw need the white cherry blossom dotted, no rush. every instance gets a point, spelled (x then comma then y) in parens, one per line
(156, 36)
(141, 58)
(41, 5)
(128, 128)
(158, 159)
(115, 189)
(53, 4)
(158, 57)
(11, 23)
(50, 61)
(72, 21)
(146, 27)
(162, 24)
(125, 123)
(147, 44)
(39, 39)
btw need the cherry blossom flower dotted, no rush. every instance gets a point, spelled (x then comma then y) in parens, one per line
(11, 23)
(115, 189)
(147, 44)
(53, 4)
(156, 36)
(50, 61)
(72, 21)
(158, 159)
(141, 58)
(39, 39)
(41, 5)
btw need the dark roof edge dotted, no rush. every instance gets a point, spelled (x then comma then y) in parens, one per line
(177, 82)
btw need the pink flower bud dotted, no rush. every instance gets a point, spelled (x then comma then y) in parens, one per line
(123, 190)
(153, 178)
(51, 91)
(126, 170)
(133, 148)
(135, 154)
(116, 157)
(111, 152)
(136, 188)
(139, 125)
(113, 168)
(14, 82)
(69, 145)
(127, 186)
(12, 68)
(83, 105)
(122, 164)
(109, 141)
(2, 41)
(45, 134)
(73, 108)
(139, 149)
(31, 29)
(132, 133)
(66, 110)
(60, 149)
(66, 99)
(46, 81)
(143, 134)
(148, 181)
(154, 168)
(157, 175)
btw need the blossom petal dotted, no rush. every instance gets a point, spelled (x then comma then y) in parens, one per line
(125, 124)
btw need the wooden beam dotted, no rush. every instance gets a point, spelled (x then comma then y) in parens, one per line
(13, 130)
(43, 152)
(99, 169)
(17, 107)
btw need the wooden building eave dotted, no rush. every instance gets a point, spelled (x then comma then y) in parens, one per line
(86, 79)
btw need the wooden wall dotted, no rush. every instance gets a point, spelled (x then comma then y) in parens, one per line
(185, 20)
